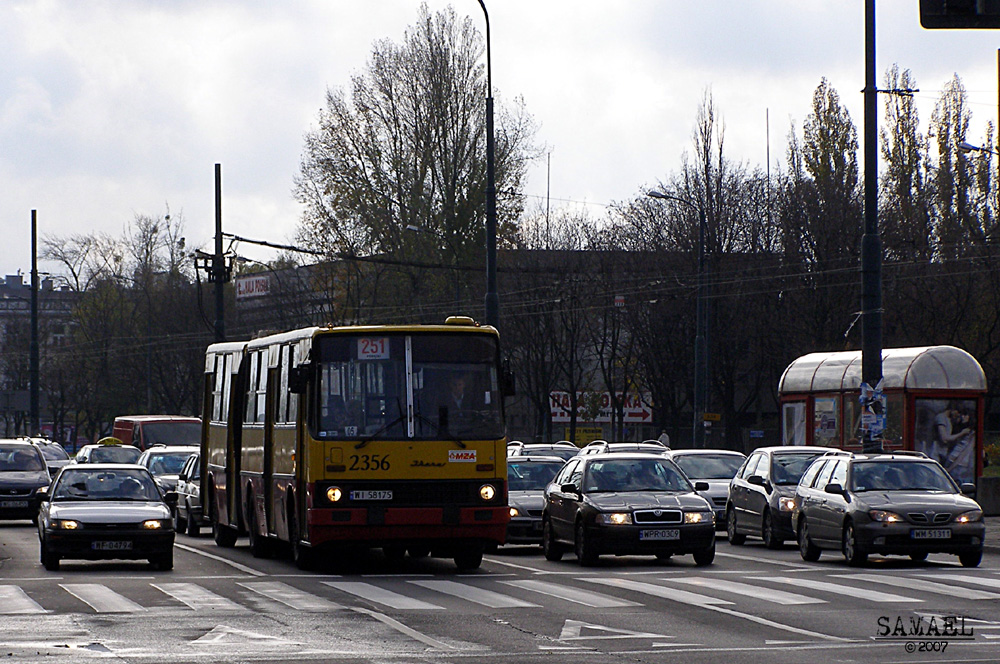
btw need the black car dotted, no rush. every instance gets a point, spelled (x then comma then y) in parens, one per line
(106, 511)
(22, 474)
(762, 494)
(621, 504)
(905, 504)
(55, 454)
(527, 477)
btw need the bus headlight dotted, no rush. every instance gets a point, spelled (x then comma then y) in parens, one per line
(487, 492)
(334, 494)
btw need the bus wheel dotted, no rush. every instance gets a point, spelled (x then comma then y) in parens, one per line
(224, 535)
(260, 547)
(469, 559)
(303, 556)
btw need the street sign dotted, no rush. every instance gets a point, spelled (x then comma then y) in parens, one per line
(712, 417)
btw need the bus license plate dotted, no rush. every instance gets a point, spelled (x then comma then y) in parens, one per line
(13, 504)
(931, 533)
(113, 545)
(371, 495)
(666, 534)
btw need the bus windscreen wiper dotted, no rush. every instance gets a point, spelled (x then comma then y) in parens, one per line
(368, 439)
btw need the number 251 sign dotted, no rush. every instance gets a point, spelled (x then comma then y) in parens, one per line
(373, 348)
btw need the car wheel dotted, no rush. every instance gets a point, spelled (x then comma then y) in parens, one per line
(585, 552)
(552, 549)
(469, 558)
(163, 562)
(771, 539)
(180, 523)
(50, 560)
(193, 528)
(854, 552)
(971, 558)
(918, 557)
(705, 556)
(734, 537)
(809, 551)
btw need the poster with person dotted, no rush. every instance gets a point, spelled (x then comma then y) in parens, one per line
(946, 432)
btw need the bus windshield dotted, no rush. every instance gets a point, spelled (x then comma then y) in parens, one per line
(423, 386)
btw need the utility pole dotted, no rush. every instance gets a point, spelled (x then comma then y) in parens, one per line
(33, 359)
(219, 274)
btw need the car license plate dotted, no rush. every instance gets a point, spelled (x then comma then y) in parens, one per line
(663, 534)
(113, 545)
(931, 533)
(371, 495)
(13, 504)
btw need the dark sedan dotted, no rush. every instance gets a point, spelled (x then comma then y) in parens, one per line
(622, 504)
(106, 511)
(900, 504)
(22, 474)
(527, 477)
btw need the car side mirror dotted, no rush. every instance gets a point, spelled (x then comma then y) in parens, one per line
(968, 489)
(170, 498)
(835, 487)
(43, 493)
(701, 486)
(569, 488)
(757, 480)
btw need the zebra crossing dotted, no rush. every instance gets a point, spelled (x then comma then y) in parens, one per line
(596, 591)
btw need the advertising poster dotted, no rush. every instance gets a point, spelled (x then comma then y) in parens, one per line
(946, 431)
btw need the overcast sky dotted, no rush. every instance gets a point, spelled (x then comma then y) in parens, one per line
(109, 109)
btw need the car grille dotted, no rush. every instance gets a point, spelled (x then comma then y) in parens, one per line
(929, 517)
(15, 492)
(657, 516)
(535, 513)
(719, 501)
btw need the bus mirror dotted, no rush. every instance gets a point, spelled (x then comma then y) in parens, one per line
(298, 378)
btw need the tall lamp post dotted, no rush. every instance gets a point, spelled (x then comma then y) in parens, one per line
(492, 298)
(701, 326)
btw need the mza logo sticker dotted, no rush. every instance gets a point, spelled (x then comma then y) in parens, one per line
(461, 456)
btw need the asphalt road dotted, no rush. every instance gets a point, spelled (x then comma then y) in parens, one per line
(751, 605)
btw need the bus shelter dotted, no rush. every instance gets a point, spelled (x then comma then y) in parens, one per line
(934, 399)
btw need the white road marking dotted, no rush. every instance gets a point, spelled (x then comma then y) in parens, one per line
(570, 594)
(198, 598)
(212, 556)
(101, 598)
(921, 584)
(966, 578)
(382, 596)
(839, 589)
(474, 594)
(759, 592)
(14, 600)
(657, 591)
(291, 596)
(409, 631)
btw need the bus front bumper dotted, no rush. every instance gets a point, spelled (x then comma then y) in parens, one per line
(376, 526)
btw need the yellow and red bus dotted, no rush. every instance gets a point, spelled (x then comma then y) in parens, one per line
(326, 439)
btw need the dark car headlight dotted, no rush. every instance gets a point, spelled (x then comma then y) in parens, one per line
(786, 504)
(885, 516)
(972, 516)
(699, 517)
(615, 518)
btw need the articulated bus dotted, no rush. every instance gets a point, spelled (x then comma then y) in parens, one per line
(328, 439)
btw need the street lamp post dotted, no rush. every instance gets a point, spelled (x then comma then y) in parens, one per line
(701, 354)
(492, 298)
(454, 256)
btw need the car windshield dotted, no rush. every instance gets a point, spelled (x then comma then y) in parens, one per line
(530, 476)
(167, 463)
(85, 483)
(624, 475)
(54, 451)
(19, 459)
(788, 468)
(114, 454)
(709, 466)
(900, 476)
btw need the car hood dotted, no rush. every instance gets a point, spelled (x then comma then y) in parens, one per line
(109, 511)
(24, 479)
(527, 500)
(646, 500)
(917, 501)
